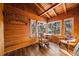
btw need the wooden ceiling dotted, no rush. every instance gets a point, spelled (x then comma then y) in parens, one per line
(50, 10)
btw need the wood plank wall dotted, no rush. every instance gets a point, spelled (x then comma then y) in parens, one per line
(1, 31)
(16, 32)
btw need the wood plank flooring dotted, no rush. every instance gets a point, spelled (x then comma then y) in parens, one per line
(35, 50)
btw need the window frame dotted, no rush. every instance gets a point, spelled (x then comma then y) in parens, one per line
(41, 22)
(72, 19)
(31, 28)
(60, 27)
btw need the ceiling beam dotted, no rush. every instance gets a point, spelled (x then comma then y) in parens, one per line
(49, 8)
(64, 7)
(47, 14)
(54, 12)
(42, 6)
(39, 7)
(42, 9)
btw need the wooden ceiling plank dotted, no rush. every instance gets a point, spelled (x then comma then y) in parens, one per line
(42, 6)
(47, 15)
(64, 7)
(54, 12)
(55, 5)
(38, 6)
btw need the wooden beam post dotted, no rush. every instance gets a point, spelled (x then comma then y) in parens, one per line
(64, 7)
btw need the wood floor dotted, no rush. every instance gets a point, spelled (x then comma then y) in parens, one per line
(34, 50)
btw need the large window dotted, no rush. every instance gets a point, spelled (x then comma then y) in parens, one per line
(41, 27)
(68, 24)
(54, 28)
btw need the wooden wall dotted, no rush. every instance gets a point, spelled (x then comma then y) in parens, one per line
(17, 27)
(1, 31)
(74, 13)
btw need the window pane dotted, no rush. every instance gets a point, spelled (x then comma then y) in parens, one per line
(68, 26)
(50, 28)
(57, 28)
(54, 27)
(33, 27)
(41, 27)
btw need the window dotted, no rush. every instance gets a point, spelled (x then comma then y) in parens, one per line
(54, 28)
(50, 28)
(68, 24)
(37, 28)
(33, 27)
(41, 27)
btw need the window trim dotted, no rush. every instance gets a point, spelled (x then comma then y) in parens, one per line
(72, 18)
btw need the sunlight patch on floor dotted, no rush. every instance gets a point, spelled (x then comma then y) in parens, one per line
(64, 51)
